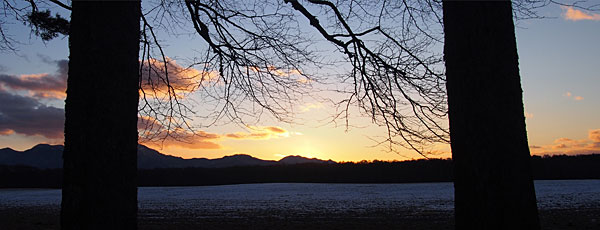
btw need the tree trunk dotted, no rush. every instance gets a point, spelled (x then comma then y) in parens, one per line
(99, 188)
(493, 182)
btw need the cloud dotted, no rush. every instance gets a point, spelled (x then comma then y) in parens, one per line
(154, 83)
(25, 115)
(148, 123)
(181, 79)
(310, 106)
(260, 133)
(293, 74)
(275, 129)
(436, 152)
(43, 85)
(272, 70)
(577, 15)
(528, 115)
(560, 146)
(594, 135)
(154, 134)
(572, 96)
(197, 143)
(570, 146)
(280, 155)
(247, 135)
(179, 137)
(5, 132)
(568, 143)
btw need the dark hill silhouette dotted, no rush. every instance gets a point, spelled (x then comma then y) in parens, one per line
(433, 170)
(46, 156)
(290, 160)
(42, 156)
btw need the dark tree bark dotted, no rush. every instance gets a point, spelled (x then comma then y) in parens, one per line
(493, 182)
(99, 189)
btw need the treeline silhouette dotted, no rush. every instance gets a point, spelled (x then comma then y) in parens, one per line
(433, 170)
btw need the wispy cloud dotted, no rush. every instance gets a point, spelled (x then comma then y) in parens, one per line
(196, 140)
(571, 146)
(157, 75)
(573, 14)
(154, 134)
(272, 70)
(294, 74)
(574, 97)
(310, 106)
(205, 140)
(260, 133)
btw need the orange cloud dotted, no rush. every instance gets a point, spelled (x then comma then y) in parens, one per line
(569, 146)
(184, 139)
(155, 80)
(148, 123)
(42, 85)
(260, 133)
(275, 129)
(154, 134)
(27, 116)
(560, 146)
(436, 152)
(528, 115)
(577, 15)
(5, 132)
(594, 135)
(248, 135)
(196, 144)
(570, 95)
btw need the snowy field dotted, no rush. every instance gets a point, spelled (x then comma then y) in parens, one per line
(563, 205)
(325, 197)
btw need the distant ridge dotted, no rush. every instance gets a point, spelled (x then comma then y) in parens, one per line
(46, 156)
(164, 170)
(42, 156)
(290, 160)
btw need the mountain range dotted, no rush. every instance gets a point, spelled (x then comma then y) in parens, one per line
(46, 156)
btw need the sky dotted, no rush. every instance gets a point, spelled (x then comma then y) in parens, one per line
(559, 63)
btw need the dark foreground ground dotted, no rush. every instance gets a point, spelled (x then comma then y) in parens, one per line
(48, 218)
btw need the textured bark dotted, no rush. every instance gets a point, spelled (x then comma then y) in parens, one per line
(99, 189)
(493, 182)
